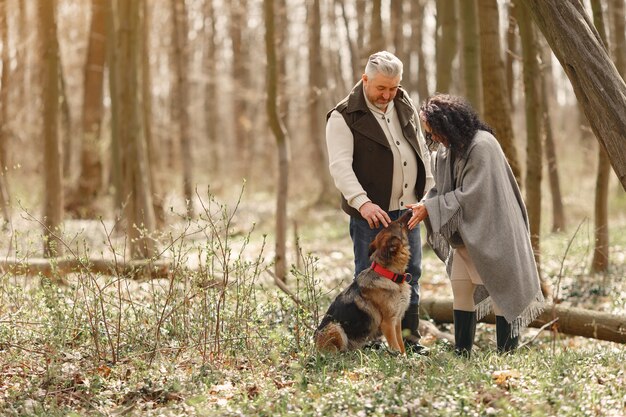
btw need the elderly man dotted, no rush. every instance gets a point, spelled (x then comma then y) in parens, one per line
(380, 164)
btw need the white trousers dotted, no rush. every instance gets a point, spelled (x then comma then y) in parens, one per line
(464, 278)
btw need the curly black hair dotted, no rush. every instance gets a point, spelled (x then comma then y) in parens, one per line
(453, 118)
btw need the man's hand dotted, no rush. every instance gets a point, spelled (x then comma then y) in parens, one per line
(374, 215)
(419, 214)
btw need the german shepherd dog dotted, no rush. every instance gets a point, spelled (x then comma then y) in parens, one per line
(376, 300)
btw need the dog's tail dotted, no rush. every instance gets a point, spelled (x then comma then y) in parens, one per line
(331, 338)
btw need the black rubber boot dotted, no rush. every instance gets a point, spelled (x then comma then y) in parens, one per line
(506, 342)
(410, 332)
(464, 331)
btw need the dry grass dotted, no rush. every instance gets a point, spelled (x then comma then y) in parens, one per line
(219, 338)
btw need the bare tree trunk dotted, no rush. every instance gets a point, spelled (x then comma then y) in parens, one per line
(354, 52)
(558, 211)
(397, 30)
(90, 178)
(136, 173)
(361, 8)
(18, 78)
(4, 113)
(409, 78)
(332, 57)
(212, 119)
(154, 154)
(446, 43)
(617, 10)
(377, 36)
(67, 141)
(600, 262)
(112, 64)
(316, 110)
(597, 83)
(547, 91)
(53, 176)
(534, 152)
(282, 34)
(25, 73)
(401, 43)
(241, 151)
(471, 53)
(495, 99)
(417, 36)
(181, 102)
(510, 52)
(282, 142)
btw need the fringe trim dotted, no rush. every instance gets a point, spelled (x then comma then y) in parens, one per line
(440, 246)
(452, 225)
(439, 241)
(534, 309)
(483, 308)
(528, 315)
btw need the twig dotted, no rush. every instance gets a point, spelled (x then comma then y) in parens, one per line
(280, 284)
(541, 329)
(11, 345)
(556, 297)
(560, 276)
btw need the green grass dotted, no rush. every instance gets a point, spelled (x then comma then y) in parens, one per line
(223, 340)
(381, 384)
(543, 381)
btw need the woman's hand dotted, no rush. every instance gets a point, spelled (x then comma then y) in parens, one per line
(419, 214)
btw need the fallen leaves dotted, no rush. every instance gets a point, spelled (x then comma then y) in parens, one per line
(104, 371)
(506, 378)
(220, 394)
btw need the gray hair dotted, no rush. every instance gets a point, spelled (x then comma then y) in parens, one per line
(384, 63)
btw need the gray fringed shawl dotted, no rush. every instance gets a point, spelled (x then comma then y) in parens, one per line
(477, 203)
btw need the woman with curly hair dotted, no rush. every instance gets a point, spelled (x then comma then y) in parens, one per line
(477, 224)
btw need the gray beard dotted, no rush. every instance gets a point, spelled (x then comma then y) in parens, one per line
(382, 107)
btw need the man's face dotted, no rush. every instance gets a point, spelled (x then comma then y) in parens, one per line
(380, 90)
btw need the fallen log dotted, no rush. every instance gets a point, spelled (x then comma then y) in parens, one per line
(59, 267)
(571, 320)
(428, 328)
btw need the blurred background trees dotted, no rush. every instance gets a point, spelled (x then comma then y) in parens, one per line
(113, 107)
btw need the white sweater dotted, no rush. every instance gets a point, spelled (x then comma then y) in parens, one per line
(340, 143)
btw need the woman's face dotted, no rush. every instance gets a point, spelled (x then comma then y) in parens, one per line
(430, 136)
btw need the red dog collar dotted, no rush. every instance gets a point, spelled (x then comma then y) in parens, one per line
(397, 278)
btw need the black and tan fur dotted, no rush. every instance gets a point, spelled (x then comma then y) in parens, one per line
(372, 304)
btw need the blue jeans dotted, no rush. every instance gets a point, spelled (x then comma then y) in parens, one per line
(362, 236)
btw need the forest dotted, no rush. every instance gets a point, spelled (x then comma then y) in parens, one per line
(172, 233)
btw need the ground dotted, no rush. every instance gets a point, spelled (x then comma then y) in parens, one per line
(217, 337)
